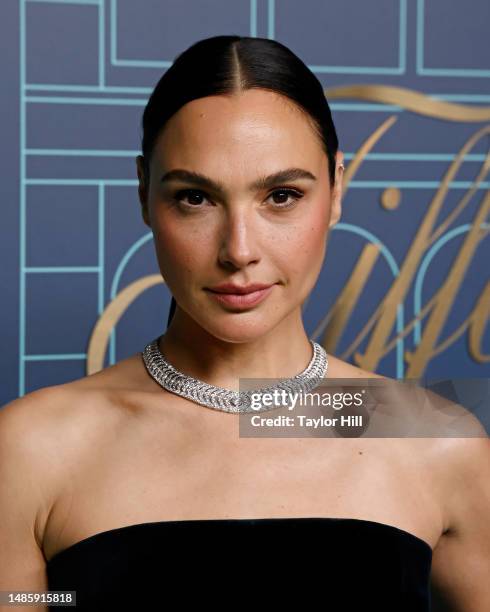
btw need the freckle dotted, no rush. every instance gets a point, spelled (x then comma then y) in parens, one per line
(360, 452)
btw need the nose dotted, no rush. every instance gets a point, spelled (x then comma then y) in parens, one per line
(239, 245)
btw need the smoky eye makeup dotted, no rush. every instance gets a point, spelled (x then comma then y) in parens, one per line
(189, 198)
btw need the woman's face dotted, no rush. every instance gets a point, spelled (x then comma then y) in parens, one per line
(228, 227)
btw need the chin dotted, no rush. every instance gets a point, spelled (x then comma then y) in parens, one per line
(239, 327)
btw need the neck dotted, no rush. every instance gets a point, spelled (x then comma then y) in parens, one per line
(283, 352)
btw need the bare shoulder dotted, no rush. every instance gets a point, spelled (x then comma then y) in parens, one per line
(44, 422)
(65, 416)
(46, 414)
(125, 375)
(461, 560)
(46, 435)
(36, 420)
(33, 432)
(457, 455)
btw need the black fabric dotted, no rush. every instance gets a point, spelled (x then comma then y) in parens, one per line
(335, 564)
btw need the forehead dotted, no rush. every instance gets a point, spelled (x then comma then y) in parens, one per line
(252, 124)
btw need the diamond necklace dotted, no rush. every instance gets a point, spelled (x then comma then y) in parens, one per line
(223, 399)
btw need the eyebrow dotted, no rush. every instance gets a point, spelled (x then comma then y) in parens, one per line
(265, 182)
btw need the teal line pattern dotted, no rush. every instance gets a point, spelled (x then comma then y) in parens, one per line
(422, 70)
(115, 285)
(253, 18)
(81, 153)
(436, 157)
(22, 203)
(136, 63)
(94, 182)
(422, 271)
(104, 94)
(87, 88)
(414, 184)
(71, 100)
(362, 106)
(463, 97)
(101, 246)
(271, 22)
(55, 357)
(398, 70)
(147, 90)
(402, 50)
(335, 106)
(90, 2)
(101, 43)
(60, 269)
(395, 270)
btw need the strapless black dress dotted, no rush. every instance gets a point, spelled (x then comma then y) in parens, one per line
(334, 564)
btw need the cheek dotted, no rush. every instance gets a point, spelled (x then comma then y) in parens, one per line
(179, 247)
(184, 251)
(304, 249)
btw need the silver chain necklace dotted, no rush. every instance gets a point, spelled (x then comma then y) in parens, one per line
(223, 399)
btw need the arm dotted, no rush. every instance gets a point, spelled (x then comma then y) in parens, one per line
(461, 560)
(25, 493)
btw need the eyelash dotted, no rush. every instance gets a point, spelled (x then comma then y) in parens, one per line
(292, 192)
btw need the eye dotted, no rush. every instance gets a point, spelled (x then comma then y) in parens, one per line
(192, 194)
(196, 196)
(295, 195)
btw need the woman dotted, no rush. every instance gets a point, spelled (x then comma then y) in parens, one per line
(135, 495)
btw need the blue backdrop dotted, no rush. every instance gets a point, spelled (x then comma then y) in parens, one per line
(76, 75)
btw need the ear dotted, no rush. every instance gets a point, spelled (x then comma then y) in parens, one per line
(142, 189)
(336, 202)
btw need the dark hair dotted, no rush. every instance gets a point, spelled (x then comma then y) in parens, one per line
(223, 65)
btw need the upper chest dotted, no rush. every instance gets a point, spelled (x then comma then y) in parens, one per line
(139, 468)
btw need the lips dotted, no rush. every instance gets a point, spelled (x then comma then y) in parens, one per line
(251, 295)
(231, 288)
